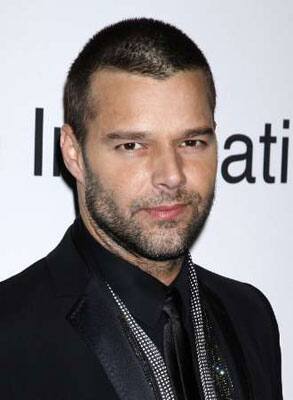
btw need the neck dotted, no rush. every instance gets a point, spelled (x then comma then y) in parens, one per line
(164, 271)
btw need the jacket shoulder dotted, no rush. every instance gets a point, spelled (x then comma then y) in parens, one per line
(20, 290)
(248, 308)
(241, 295)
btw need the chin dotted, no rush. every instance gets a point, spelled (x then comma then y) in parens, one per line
(161, 253)
(166, 256)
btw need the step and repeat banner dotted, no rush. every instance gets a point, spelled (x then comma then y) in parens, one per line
(249, 46)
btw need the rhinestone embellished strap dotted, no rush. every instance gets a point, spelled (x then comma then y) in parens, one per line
(150, 350)
(207, 382)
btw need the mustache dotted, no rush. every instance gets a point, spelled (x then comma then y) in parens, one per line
(181, 196)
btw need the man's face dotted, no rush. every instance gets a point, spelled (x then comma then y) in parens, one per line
(150, 161)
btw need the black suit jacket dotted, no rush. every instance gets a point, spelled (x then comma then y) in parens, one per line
(61, 336)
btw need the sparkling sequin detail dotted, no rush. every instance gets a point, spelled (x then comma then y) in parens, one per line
(220, 372)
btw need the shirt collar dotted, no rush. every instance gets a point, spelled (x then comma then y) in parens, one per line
(142, 294)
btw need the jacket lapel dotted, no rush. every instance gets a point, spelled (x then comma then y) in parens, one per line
(222, 321)
(99, 324)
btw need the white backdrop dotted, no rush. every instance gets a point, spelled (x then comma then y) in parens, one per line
(249, 46)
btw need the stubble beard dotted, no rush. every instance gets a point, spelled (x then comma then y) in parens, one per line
(164, 240)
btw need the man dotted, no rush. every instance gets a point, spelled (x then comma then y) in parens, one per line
(118, 310)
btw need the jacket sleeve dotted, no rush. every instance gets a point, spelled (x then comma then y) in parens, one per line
(275, 354)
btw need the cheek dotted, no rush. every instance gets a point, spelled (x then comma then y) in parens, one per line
(126, 182)
(201, 176)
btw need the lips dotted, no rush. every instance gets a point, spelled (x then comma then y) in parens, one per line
(166, 212)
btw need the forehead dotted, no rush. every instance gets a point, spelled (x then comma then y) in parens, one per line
(121, 99)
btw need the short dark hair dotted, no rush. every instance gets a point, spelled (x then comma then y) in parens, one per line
(141, 46)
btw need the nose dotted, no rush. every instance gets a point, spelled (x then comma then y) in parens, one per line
(168, 172)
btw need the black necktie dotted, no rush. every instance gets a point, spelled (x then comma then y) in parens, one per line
(177, 352)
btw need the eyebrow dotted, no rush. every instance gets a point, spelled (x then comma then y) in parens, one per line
(126, 135)
(207, 131)
(129, 135)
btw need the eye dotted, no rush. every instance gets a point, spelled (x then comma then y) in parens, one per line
(193, 143)
(131, 146)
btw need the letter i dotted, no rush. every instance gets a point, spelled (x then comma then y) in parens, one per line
(57, 158)
(285, 150)
(39, 123)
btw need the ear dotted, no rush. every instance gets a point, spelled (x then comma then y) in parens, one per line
(71, 153)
